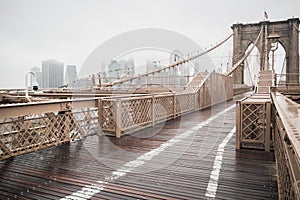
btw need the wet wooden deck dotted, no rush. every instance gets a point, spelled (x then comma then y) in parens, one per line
(192, 157)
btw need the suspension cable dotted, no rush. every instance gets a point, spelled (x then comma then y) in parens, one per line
(212, 48)
(251, 77)
(180, 62)
(283, 64)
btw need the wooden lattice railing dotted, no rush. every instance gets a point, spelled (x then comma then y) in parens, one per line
(265, 121)
(30, 127)
(287, 146)
(253, 122)
(123, 115)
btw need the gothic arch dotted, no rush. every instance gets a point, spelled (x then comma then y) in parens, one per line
(245, 34)
(280, 55)
(251, 66)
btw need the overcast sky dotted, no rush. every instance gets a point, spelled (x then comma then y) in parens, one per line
(69, 30)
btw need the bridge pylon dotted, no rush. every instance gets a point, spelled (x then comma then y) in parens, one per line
(245, 34)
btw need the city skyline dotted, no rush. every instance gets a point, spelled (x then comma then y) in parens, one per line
(29, 36)
(70, 73)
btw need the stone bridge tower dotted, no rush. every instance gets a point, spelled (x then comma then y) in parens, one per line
(246, 34)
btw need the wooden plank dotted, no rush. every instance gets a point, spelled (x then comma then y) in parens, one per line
(15, 110)
(238, 124)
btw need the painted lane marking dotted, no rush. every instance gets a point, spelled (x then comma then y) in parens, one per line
(89, 190)
(212, 186)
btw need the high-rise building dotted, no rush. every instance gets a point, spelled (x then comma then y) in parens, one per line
(130, 67)
(70, 75)
(38, 76)
(83, 83)
(127, 67)
(175, 74)
(52, 74)
(123, 68)
(150, 66)
(113, 70)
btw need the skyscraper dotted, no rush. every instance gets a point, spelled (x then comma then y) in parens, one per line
(174, 74)
(71, 75)
(123, 67)
(150, 66)
(113, 70)
(52, 74)
(130, 67)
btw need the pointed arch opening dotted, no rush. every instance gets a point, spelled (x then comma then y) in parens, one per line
(279, 63)
(251, 66)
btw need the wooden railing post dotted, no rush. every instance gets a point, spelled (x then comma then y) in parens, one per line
(195, 101)
(153, 110)
(238, 124)
(100, 116)
(174, 105)
(118, 119)
(268, 126)
(204, 95)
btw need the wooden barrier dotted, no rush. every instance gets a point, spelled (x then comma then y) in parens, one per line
(127, 114)
(253, 122)
(240, 90)
(285, 119)
(30, 127)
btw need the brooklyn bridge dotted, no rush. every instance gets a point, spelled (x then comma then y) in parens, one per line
(155, 136)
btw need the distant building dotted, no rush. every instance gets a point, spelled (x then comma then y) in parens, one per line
(123, 68)
(130, 68)
(70, 75)
(176, 74)
(38, 76)
(52, 74)
(127, 68)
(150, 66)
(113, 70)
(83, 83)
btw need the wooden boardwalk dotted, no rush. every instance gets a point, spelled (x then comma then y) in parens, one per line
(191, 157)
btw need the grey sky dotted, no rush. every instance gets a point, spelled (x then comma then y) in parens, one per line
(69, 30)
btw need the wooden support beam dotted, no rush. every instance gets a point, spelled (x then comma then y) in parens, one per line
(118, 121)
(100, 115)
(238, 125)
(8, 111)
(268, 126)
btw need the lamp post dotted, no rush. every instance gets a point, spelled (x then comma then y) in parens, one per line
(26, 83)
(273, 38)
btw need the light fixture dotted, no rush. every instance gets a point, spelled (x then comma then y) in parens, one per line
(274, 39)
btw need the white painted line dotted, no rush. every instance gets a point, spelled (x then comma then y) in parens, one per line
(212, 186)
(88, 191)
